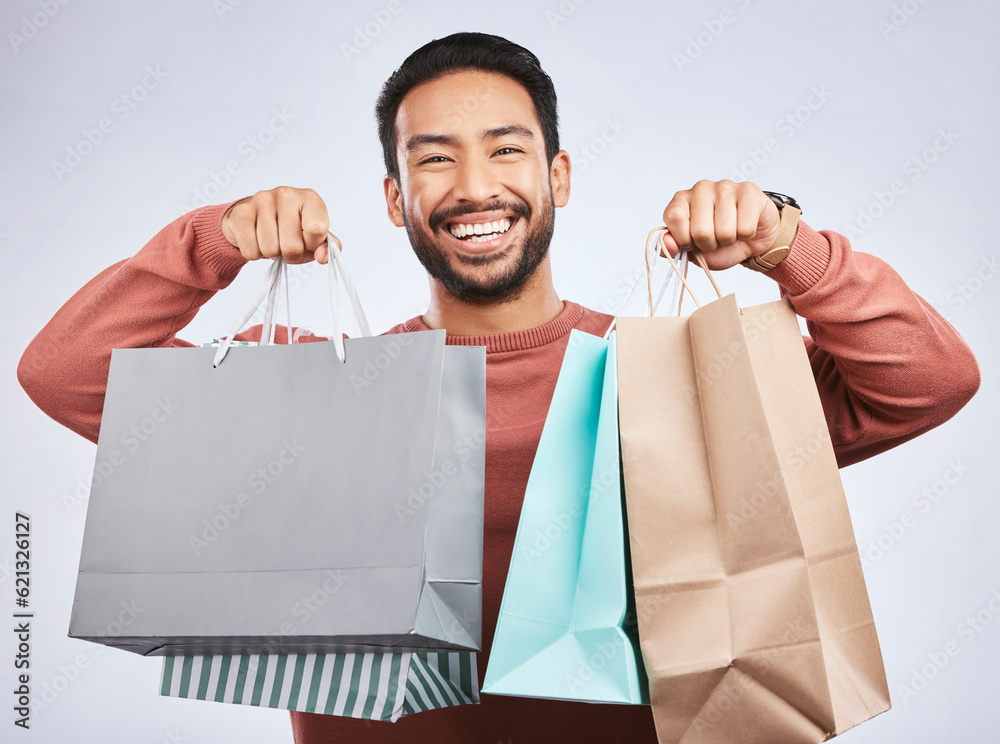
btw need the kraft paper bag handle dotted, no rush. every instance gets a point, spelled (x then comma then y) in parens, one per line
(677, 279)
(680, 273)
(267, 288)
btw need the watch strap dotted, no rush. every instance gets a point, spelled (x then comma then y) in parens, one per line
(779, 250)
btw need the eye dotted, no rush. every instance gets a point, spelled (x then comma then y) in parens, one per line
(508, 150)
(434, 159)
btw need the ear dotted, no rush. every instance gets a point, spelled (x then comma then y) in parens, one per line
(393, 200)
(559, 178)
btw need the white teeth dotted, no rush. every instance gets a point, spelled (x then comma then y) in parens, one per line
(498, 227)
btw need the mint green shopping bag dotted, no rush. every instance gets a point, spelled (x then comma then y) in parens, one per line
(563, 630)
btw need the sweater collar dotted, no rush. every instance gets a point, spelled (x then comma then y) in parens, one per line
(530, 338)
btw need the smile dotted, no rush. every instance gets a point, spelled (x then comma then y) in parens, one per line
(480, 232)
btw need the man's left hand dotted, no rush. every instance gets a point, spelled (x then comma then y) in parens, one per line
(729, 222)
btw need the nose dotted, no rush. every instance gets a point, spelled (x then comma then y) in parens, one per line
(476, 182)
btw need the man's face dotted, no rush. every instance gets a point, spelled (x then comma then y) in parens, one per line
(475, 191)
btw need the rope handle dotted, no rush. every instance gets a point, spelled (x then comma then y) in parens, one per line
(678, 278)
(697, 256)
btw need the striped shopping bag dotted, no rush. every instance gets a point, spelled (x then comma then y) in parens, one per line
(376, 686)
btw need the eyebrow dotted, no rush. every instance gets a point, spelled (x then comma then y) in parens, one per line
(447, 139)
(507, 130)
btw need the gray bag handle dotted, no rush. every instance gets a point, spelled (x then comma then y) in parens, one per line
(267, 288)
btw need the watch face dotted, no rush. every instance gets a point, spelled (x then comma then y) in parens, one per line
(780, 200)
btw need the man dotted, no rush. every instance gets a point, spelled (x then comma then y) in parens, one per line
(474, 172)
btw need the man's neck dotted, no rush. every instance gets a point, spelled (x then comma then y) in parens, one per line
(536, 305)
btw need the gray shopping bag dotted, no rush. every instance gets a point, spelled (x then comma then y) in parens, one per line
(381, 686)
(278, 503)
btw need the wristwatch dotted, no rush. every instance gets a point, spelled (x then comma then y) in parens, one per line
(790, 211)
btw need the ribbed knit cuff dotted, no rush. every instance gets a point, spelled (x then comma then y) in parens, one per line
(805, 264)
(211, 245)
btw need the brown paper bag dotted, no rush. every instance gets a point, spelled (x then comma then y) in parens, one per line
(754, 620)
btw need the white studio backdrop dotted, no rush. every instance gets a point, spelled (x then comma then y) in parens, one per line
(880, 117)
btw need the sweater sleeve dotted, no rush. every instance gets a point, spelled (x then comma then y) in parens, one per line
(140, 302)
(888, 367)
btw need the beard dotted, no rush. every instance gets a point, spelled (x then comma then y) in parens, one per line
(495, 277)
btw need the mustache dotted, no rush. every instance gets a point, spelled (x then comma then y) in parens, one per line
(519, 208)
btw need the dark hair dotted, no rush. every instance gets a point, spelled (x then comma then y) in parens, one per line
(466, 51)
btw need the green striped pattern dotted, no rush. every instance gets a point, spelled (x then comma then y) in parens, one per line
(380, 687)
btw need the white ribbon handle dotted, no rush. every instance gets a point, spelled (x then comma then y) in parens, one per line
(267, 288)
(335, 260)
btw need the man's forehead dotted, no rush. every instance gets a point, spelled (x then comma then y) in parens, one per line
(471, 102)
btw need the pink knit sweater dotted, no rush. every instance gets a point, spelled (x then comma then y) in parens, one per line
(887, 367)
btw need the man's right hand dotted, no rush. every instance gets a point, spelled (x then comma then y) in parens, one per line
(288, 222)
